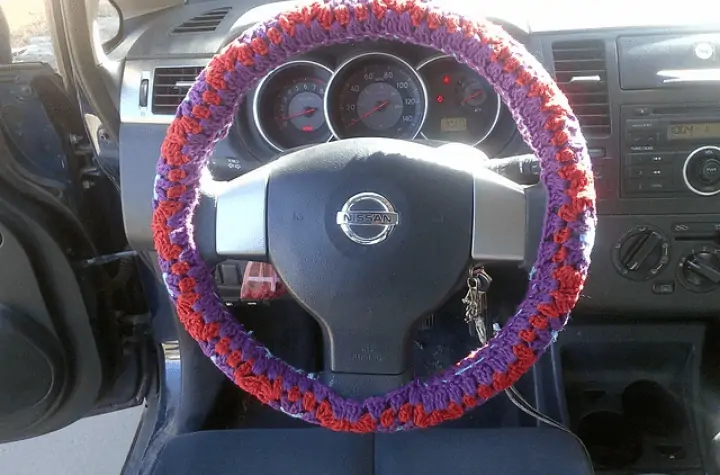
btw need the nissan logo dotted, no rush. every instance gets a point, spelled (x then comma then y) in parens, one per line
(367, 218)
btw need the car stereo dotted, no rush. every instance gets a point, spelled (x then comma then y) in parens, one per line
(670, 150)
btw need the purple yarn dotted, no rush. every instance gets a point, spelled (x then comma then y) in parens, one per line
(478, 369)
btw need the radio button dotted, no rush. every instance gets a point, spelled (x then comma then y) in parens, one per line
(641, 111)
(647, 185)
(642, 138)
(648, 171)
(663, 288)
(710, 171)
(650, 159)
(645, 142)
(657, 184)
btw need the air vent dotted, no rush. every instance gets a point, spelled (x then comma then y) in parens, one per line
(581, 73)
(170, 85)
(205, 23)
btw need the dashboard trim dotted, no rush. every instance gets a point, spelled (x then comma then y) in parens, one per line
(258, 96)
(354, 58)
(431, 60)
(246, 237)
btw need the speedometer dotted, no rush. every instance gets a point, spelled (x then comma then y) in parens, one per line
(288, 105)
(375, 95)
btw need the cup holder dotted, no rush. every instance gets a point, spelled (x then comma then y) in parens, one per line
(612, 441)
(653, 409)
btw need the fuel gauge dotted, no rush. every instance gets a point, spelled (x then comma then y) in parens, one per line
(463, 107)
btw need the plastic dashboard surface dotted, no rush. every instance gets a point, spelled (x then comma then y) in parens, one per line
(661, 288)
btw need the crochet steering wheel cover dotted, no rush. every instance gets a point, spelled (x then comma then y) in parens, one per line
(544, 118)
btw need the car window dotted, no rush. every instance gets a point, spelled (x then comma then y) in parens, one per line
(30, 39)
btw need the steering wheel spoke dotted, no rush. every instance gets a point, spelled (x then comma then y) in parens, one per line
(508, 204)
(241, 217)
(369, 356)
(500, 218)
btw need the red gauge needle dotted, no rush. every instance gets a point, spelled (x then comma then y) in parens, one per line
(470, 97)
(299, 114)
(378, 107)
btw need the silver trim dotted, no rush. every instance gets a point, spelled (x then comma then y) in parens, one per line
(343, 218)
(689, 75)
(261, 86)
(432, 59)
(135, 72)
(499, 218)
(349, 61)
(593, 78)
(241, 216)
(704, 50)
(685, 167)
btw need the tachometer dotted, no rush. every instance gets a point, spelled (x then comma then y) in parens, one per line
(375, 95)
(288, 105)
(463, 107)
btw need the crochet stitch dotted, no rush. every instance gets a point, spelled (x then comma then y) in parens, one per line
(543, 116)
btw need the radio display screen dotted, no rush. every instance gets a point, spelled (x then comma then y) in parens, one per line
(704, 130)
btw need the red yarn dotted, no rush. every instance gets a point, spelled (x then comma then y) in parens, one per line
(579, 191)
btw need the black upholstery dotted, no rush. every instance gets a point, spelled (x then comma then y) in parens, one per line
(321, 452)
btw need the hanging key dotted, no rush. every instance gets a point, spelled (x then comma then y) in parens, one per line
(476, 303)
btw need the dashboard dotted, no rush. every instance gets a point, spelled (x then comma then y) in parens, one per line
(374, 94)
(372, 88)
(646, 95)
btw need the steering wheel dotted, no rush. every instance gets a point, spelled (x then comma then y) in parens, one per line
(370, 234)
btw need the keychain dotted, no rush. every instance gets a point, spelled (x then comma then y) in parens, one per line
(476, 302)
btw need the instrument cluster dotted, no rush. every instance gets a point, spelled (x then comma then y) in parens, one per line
(374, 94)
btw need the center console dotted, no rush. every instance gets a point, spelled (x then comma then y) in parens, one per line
(630, 365)
(671, 152)
(656, 162)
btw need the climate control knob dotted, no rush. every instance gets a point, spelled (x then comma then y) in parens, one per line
(700, 271)
(641, 253)
(701, 171)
